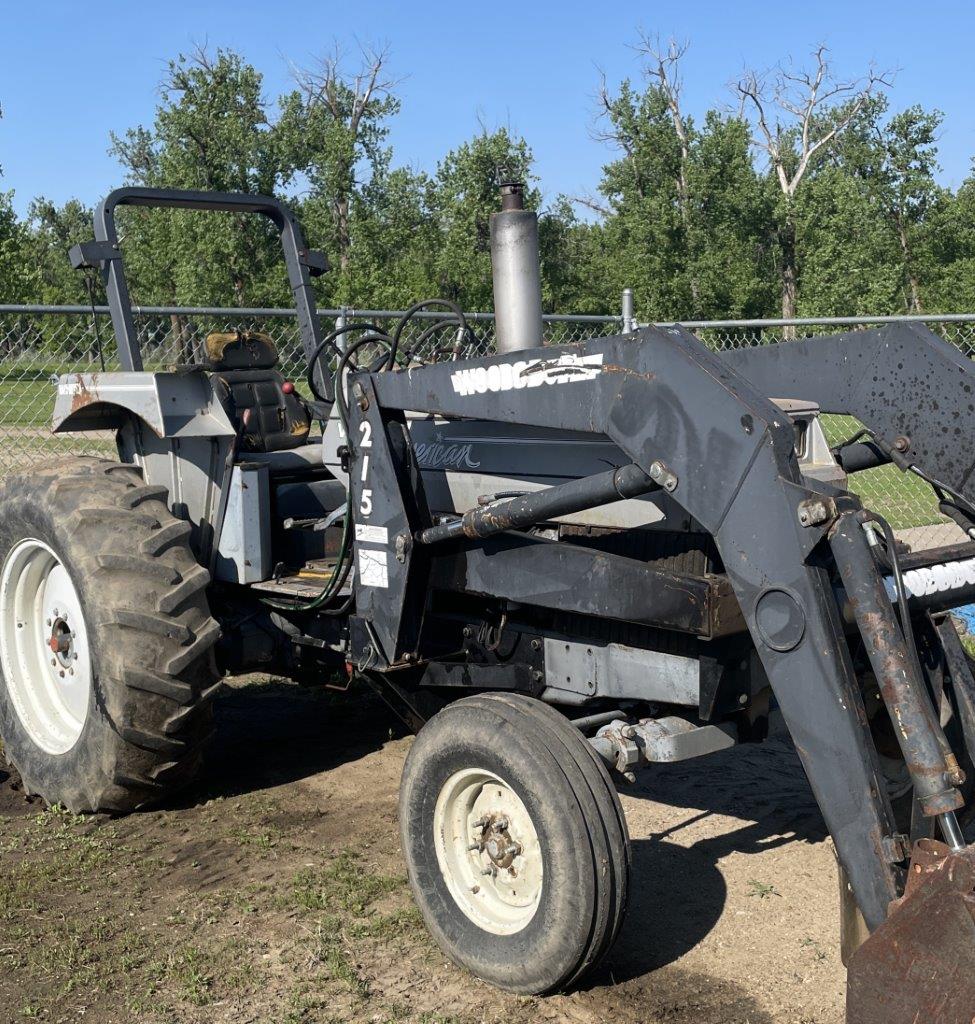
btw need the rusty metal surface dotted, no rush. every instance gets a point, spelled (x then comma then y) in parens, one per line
(919, 966)
(903, 692)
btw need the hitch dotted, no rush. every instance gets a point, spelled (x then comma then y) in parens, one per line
(625, 747)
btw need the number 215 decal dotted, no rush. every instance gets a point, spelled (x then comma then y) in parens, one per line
(365, 501)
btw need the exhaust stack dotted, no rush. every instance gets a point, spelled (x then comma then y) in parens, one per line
(515, 271)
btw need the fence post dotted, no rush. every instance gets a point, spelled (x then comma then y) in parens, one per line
(340, 321)
(629, 322)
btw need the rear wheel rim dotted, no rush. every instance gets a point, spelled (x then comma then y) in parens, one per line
(44, 647)
(488, 851)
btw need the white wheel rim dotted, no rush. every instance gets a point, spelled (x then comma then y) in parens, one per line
(44, 651)
(488, 851)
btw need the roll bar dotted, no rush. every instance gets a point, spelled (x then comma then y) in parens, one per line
(103, 253)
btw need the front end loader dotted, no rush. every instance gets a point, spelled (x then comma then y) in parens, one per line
(558, 564)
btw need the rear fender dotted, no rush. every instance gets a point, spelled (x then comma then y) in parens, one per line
(172, 426)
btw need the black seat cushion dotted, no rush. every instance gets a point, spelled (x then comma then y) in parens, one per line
(267, 415)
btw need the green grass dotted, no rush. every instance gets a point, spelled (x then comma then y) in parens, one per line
(26, 403)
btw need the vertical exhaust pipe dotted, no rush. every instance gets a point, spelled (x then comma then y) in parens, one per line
(515, 271)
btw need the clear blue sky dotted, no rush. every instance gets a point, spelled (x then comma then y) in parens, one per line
(72, 72)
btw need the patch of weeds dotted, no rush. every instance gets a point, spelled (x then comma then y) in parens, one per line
(305, 1005)
(331, 951)
(344, 884)
(263, 839)
(404, 921)
(761, 890)
(190, 970)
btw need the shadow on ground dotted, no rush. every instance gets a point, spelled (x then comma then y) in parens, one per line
(679, 892)
(270, 734)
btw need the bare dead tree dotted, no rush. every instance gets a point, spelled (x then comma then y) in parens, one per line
(663, 69)
(796, 116)
(349, 100)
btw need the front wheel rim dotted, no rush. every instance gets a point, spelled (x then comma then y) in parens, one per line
(488, 851)
(44, 648)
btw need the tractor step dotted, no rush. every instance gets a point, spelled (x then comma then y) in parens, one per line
(306, 583)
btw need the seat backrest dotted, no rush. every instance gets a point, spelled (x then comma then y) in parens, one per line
(267, 413)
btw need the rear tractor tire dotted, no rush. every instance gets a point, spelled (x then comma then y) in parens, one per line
(106, 639)
(515, 842)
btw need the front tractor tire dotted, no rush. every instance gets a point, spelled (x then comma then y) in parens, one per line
(106, 639)
(515, 842)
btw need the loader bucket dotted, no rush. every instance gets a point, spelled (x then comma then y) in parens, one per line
(918, 967)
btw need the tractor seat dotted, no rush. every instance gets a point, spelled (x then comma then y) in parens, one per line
(266, 411)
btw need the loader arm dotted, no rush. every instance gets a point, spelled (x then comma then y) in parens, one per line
(867, 374)
(730, 452)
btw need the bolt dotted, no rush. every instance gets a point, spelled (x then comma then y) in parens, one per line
(536, 644)
(475, 889)
(743, 699)
(468, 632)
(54, 661)
(61, 673)
(49, 622)
(902, 443)
(662, 474)
(402, 546)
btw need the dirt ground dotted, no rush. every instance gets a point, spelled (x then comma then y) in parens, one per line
(274, 892)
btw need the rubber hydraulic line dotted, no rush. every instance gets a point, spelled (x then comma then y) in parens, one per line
(541, 506)
(894, 670)
(854, 458)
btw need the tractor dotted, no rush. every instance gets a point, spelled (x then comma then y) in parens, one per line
(558, 564)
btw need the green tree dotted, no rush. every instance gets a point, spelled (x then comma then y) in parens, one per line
(896, 161)
(53, 230)
(686, 220)
(952, 241)
(460, 198)
(14, 264)
(333, 130)
(211, 131)
(645, 230)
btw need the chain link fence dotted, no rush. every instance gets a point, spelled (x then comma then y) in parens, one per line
(37, 343)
